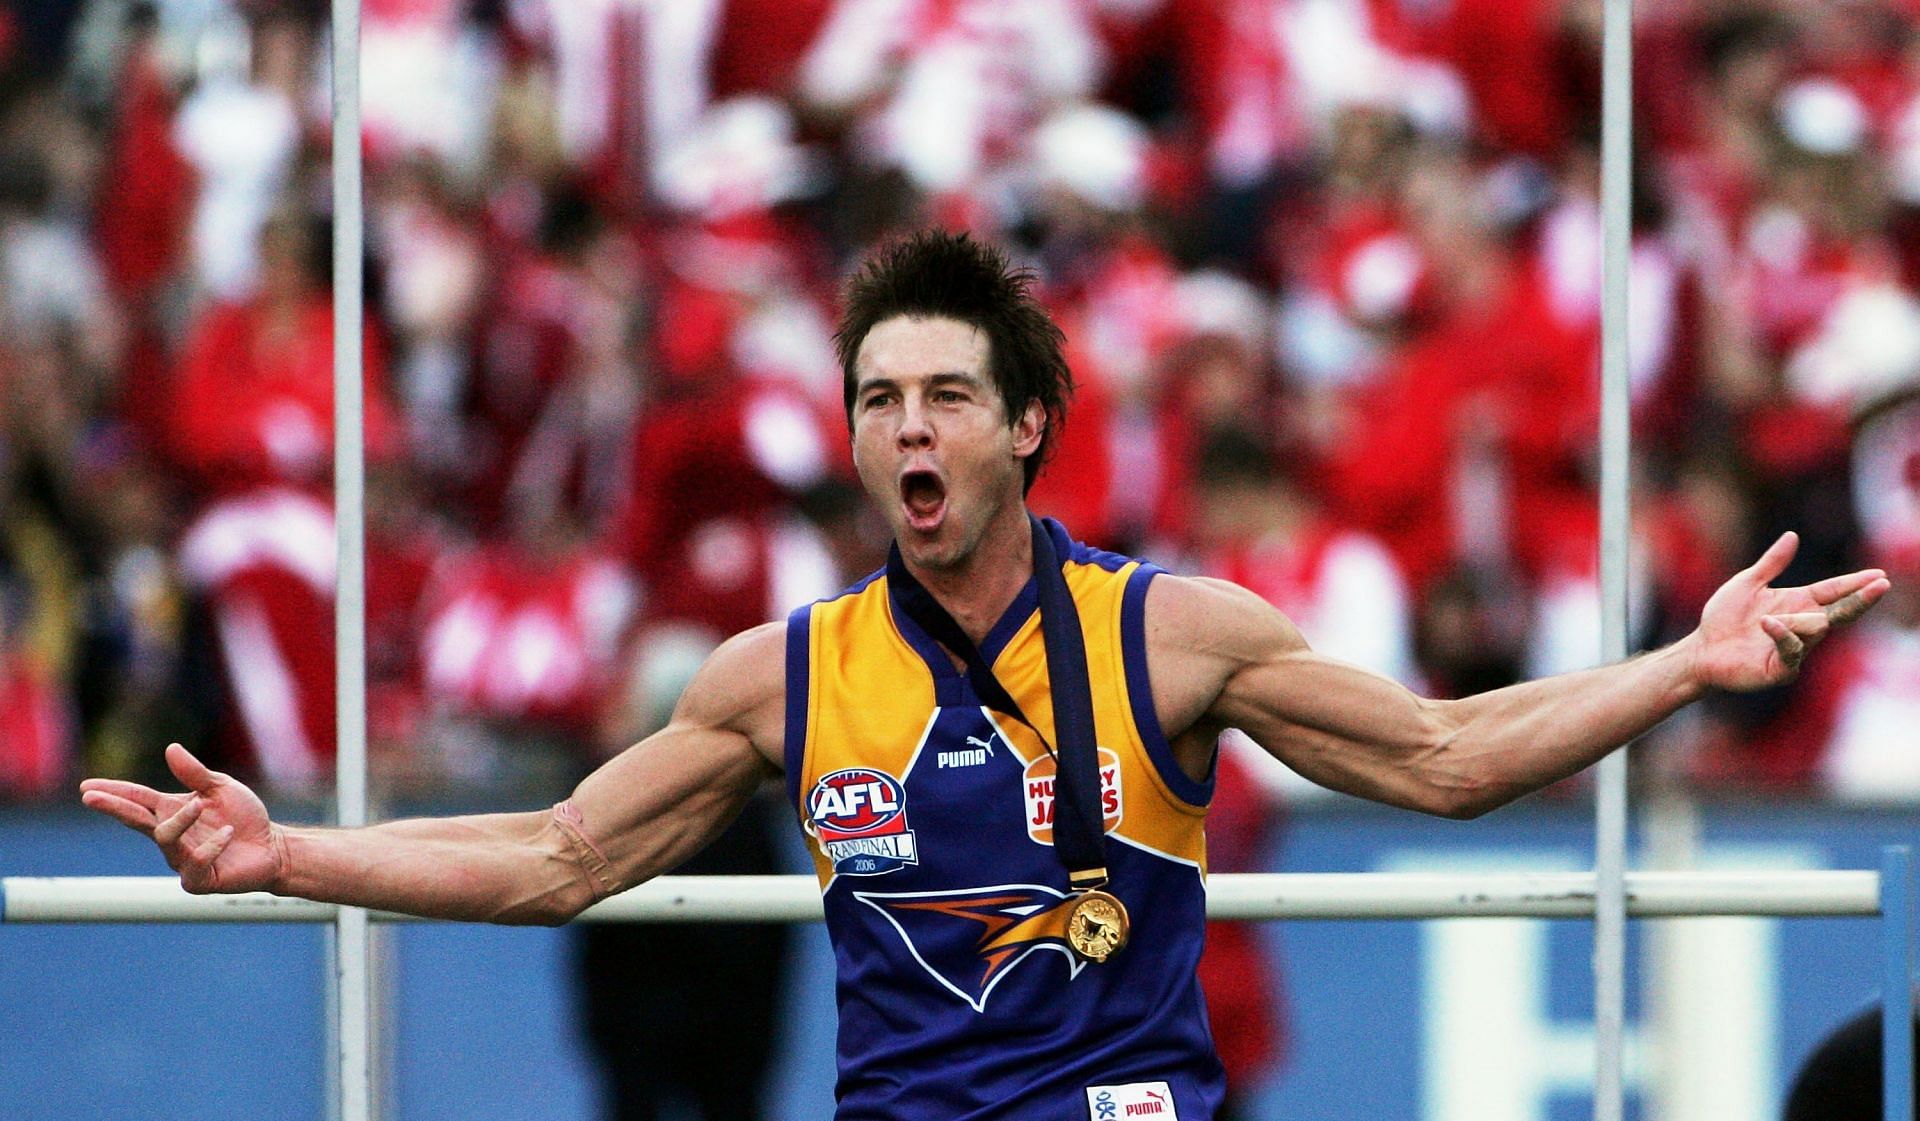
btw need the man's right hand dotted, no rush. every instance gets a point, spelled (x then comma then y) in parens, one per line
(217, 836)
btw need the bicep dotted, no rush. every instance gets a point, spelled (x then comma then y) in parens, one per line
(658, 802)
(1337, 724)
(1344, 727)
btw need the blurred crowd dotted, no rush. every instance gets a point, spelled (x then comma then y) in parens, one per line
(1328, 269)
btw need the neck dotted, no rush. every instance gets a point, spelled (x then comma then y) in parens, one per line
(978, 588)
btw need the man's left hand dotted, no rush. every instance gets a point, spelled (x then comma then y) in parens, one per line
(1752, 636)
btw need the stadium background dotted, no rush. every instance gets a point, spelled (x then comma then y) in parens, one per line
(1328, 270)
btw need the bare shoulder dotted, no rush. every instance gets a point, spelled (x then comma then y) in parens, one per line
(743, 688)
(1216, 617)
(1200, 632)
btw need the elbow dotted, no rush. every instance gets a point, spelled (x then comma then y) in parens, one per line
(556, 916)
(1464, 803)
(1466, 790)
(572, 875)
(565, 904)
(555, 895)
(554, 908)
(1454, 780)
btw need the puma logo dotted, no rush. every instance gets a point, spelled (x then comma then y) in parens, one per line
(978, 751)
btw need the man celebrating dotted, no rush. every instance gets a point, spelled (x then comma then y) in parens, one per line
(1000, 746)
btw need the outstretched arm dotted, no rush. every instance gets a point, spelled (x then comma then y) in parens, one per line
(1351, 730)
(643, 812)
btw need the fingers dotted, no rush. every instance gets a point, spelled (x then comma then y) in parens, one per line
(1836, 588)
(1855, 604)
(190, 771)
(1790, 646)
(144, 796)
(194, 774)
(130, 814)
(1809, 626)
(170, 830)
(1775, 560)
(209, 850)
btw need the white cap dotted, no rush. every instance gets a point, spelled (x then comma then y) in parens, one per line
(1214, 303)
(1822, 116)
(740, 157)
(1867, 347)
(1094, 153)
(1380, 277)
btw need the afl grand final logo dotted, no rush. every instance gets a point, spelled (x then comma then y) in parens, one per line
(859, 818)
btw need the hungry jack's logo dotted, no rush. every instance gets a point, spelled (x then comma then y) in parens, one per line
(1038, 785)
(971, 938)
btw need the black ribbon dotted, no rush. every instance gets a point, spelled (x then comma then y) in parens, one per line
(1078, 825)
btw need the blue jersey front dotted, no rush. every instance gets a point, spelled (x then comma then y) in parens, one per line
(930, 821)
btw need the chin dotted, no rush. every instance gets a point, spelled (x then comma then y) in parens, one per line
(938, 551)
(949, 545)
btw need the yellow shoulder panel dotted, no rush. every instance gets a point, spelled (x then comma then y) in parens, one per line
(865, 686)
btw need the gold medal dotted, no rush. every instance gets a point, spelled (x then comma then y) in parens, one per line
(1096, 925)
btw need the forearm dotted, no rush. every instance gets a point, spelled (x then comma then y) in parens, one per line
(1357, 732)
(1500, 745)
(508, 868)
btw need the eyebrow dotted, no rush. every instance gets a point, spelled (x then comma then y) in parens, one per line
(944, 377)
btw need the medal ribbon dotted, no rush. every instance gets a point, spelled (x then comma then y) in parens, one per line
(1078, 825)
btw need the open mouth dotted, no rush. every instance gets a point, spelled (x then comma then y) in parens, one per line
(924, 495)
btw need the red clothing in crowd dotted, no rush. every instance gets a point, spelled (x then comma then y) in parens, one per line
(1127, 418)
(713, 476)
(1236, 70)
(35, 729)
(1077, 484)
(1513, 57)
(1786, 750)
(759, 44)
(265, 561)
(140, 228)
(249, 407)
(512, 635)
(1875, 701)
(630, 79)
(537, 434)
(1506, 377)
(400, 569)
(1341, 587)
(527, 350)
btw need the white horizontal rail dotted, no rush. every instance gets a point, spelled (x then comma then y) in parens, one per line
(1341, 895)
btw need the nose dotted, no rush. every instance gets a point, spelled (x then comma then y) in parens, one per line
(916, 427)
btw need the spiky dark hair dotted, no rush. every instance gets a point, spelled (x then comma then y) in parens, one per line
(936, 273)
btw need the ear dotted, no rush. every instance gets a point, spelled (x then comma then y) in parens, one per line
(1029, 430)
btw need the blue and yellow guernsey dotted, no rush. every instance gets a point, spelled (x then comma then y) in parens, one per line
(930, 825)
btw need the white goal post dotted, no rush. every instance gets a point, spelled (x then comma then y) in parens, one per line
(1302, 895)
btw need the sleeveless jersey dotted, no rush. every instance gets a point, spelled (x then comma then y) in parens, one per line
(930, 824)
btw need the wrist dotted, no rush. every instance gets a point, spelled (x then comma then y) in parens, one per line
(1690, 674)
(279, 842)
